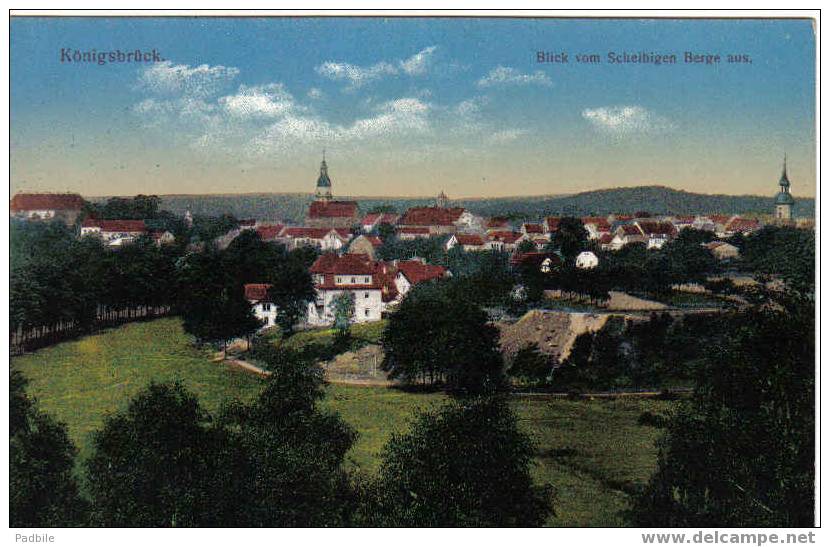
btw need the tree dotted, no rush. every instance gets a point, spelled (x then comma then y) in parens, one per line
(342, 308)
(295, 449)
(526, 246)
(570, 238)
(741, 451)
(437, 336)
(42, 488)
(530, 366)
(162, 463)
(466, 464)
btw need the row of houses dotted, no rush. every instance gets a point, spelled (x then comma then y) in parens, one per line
(116, 233)
(376, 287)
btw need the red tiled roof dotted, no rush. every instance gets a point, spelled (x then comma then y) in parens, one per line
(600, 222)
(330, 263)
(370, 218)
(469, 239)
(630, 230)
(533, 228)
(650, 227)
(132, 226)
(431, 216)
(719, 219)
(269, 231)
(418, 272)
(742, 225)
(332, 209)
(605, 238)
(507, 237)
(257, 291)
(46, 202)
(552, 222)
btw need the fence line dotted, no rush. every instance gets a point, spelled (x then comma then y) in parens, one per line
(21, 341)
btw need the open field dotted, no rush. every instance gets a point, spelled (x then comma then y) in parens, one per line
(592, 452)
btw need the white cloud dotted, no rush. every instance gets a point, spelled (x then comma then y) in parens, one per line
(358, 76)
(315, 93)
(418, 63)
(268, 101)
(505, 75)
(398, 117)
(625, 120)
(507, 135)
(470, 107)
(202, 80)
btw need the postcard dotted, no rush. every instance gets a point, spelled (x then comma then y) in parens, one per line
(406, 270)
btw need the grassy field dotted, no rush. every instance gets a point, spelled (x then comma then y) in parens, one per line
(590, 451)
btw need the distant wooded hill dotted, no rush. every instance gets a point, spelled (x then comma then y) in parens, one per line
(654, 199)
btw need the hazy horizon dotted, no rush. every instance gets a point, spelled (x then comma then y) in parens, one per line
(407, 107)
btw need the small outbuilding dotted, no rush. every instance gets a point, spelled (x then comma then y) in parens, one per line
(586, 260)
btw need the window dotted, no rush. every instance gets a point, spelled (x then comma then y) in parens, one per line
(366, 280)
(365, 295)
(366, 312)
(354, 281)
(266, 306)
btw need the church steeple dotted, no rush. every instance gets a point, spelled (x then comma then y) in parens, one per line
(784, 200)
(323, 191)
(784, 182)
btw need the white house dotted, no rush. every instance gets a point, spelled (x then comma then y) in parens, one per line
(334, 275)
(587, 260)
(468, 242)
(264, 310)
(325, 239)
(114, 233)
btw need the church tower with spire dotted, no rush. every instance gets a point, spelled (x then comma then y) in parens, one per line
(784, 200)
(323, 192)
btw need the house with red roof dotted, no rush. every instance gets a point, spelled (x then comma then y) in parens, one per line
(36, 206)
(438, 220)
(596, 226)
(325, 239)
(504, 240)
(745, 226)
(372, 221)
(334, 275)
(468, 242)
(657, 232)
(270, 232)
(550, 224)
(332, 214)
(114, 233)
(375, 285)
(625, 235)
(412, 272)
(263, 308)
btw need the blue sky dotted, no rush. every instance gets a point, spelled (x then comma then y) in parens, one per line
(409, 106)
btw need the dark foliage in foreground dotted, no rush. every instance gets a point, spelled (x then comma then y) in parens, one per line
(741, 452)
(42, 489)
(466, 464)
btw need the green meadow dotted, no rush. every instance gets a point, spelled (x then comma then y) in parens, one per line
(593, 452)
